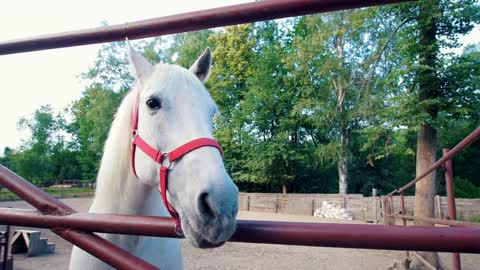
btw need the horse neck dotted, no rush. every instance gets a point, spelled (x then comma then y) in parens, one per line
(118, 191)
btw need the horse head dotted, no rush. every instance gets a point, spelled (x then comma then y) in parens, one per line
(174, 108)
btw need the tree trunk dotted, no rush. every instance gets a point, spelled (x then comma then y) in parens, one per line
(428, 84)
(340, 88)
(342, 165)
(425, 189)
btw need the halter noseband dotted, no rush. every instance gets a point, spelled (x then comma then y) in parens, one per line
(169, 158)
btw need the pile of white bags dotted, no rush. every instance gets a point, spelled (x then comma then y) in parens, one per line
(330, 210)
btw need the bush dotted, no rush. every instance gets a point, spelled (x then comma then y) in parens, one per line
(465, 189)
(475, 219)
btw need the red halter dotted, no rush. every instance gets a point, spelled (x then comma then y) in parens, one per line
(160, 157)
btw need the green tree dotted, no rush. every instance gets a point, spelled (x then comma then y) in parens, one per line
(186, 47)
(92, 116)
(432, 25)
(34, 160)
(338, 80)
(231, 58)
(275, 153)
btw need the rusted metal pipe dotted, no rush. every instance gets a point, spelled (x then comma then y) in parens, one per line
(440, 239)
(48, 205)
(104, 250)
(32, 194)
(452, 211)
(446, 222)
(404, 221)
(103, 223)
(402, 202)
(459, 147)
(359, 236)
(198, 20)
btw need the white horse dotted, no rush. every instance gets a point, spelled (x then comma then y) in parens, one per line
(174, 108)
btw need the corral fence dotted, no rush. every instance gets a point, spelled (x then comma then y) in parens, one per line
(366, 208)
(394, 210)
(79, 228)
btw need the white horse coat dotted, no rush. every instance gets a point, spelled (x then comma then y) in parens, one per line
(174, 108)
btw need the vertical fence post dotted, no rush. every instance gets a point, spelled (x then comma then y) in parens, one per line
(438, 207)
(363, 209)
(313, 206)
(392, 212)
(248, 203)
(452, 211)
(276, 204)
(374, 206)
(6, 250)
(402, 203)
(383, 210)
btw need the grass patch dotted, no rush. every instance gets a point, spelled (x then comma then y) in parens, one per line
(475, 219)
(6, 195)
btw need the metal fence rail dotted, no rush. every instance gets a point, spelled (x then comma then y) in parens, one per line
(267, 232)
(78, 228)
(50, 206)
(198, 20)
(444, 163)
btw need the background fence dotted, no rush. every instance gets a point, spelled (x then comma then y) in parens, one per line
(363, 208)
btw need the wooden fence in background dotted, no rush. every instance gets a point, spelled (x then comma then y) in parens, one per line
(360, 206)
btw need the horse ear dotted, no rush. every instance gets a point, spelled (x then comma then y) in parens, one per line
(201, 67)
(139, 66)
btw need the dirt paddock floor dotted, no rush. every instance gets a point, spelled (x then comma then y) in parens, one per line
(244, 255)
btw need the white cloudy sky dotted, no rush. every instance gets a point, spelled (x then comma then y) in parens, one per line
(29, 80)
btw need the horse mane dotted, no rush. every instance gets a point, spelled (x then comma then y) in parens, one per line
(114, 168)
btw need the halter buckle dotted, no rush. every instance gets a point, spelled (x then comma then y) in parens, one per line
(178, 230)
(165, 160)
(134, 134)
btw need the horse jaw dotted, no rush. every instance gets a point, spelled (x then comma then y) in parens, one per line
(208, 206)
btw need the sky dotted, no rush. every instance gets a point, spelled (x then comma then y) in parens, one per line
(29, 80)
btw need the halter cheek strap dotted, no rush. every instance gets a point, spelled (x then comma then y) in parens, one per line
(160, 157)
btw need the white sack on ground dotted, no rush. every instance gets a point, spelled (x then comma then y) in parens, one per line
(331, 210)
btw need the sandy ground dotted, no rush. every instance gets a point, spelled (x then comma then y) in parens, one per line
(243, 255)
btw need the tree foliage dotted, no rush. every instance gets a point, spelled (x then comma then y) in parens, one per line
(307, 104)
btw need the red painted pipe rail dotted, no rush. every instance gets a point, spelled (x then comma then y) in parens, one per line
(475, 135)
(51, 207)
(440, 239)
(198, 20)
(446, 222)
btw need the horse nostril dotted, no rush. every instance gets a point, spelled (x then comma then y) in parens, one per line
(204, 205)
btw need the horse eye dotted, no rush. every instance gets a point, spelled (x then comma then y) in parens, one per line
(153, 103)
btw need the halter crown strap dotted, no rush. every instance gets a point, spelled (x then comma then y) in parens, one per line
(159, 157)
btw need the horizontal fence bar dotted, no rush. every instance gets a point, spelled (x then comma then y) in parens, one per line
(32, 194)
(104, 223)
(447, 222)
(359, 236)
(459, 147)
(104, 250)
(442, 239)
(52, 207)
(198, 20)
